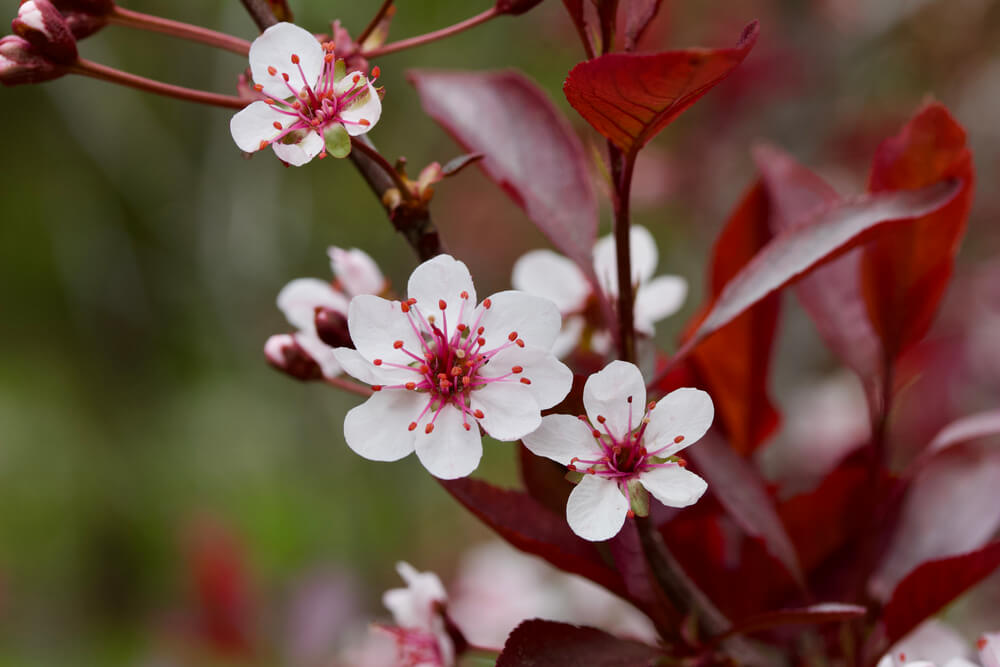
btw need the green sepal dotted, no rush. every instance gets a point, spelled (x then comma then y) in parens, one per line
(339, 70)
(639, 496)
(574, 476)
(338, 141)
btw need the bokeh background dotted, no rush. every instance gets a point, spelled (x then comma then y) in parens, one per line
(152, 465)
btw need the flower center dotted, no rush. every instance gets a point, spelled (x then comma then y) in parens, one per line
(447, 366)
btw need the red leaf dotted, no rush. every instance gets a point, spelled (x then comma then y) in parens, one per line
(795, 252)
(733, 365)
(544, 480)
(933, 585)
(626, 550)
(629, 98)
(530, 527)
(828, 612)
(738, 487)
(831, 294)
(538, 643)
(905, 272)
(638, 15)
(530, 150)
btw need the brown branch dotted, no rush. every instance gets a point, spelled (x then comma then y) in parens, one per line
(261, 13)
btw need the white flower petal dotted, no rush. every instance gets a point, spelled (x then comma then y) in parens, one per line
(661, 297)
(673, 485)
(378, 429)
(360, 368)
(510, 412)
(364, 106)
(535, 319)
(274, 48)
(450, 450)
(356, 271)
(376, 324)
(550, 379)
(606, 394)
(443, 278)
(596, 509)
(989, 650)
(253, 124)
(299, 299)
(414, 606)
(299, 153)
(684, 412)
(552, 276)
(321, 353)
(569, 336)
(561, 438)
(642, 249)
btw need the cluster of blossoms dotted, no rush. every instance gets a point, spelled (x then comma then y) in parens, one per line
(312, 105)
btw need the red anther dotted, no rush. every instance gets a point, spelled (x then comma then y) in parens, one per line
(411, 301)
(981, 643)
(411, 385)
(630, 514)
(596, 434)
(376, 387)
(441, 304)
(487, 303)
(328, 58)
(481, 341)
(601, 419)
(296, 105)
(376, 73)
(377, 362)
(405, 307)
(682, 463)
(520, 343)
(322, 156)
(629, 399)
(516, 369)
(442, 376)
(456, 370)
(424, 368)
(258, 87)
(428, 428)
(571, 467)
(277, 125)
(269, 101)
(651, 405)
(480, 330)
(397, 344)
(466, 380)
(467, 427)
(582, 418)
(295, 59)
(412, 426)
(284, 75)
(464, 294)
(271, 70)
(262, 146)
(478, 414)
(461, 327)
(642, 451)
(679, 439)
(591, 471)
(512, 337)
(364, 122)
(356, 78)
(428, 356)
(525, 381)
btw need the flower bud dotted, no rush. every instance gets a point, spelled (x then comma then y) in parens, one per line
(39, 22)
(85, 17)
(331, 327)
(285, 354)
(21, 63)
(515, 7)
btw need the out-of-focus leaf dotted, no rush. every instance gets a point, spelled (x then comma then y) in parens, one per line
(281, 10)
(733, 365)
(516, 7)
(905, 272)
(626, 550)
(831, 294)
(530, 150)
(629, 98)
(544, 480)
(459, 163)
(739, 488)
(827, 612)
(539, 643)
(932, 586)
(798, 250)
(972, 427)
(532, 528)
(638, 15)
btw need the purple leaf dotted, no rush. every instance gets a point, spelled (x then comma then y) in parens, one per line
(530, 150)
(538, 643)
(638, 15)
(828, 612)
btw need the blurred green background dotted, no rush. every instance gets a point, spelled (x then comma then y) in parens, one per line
(140, 257)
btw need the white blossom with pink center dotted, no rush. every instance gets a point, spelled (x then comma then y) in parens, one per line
(442, 367)
(356, 273)
(558, 279)
(421, 636)
(621, 445)
(935, 643)
(312, 105)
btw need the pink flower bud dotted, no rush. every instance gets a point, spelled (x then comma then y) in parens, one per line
(85, 17)
(284, 353)
(39, 22)
(21, 63)
(331, 327)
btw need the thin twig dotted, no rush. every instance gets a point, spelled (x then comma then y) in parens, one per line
(622, 166)
(261, 13)
(133, 19)
(432, 36)
(370, 28)
(348, 385)
(112, 75)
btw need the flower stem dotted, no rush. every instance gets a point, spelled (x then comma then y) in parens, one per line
(419, 40)
(347, 385)
(133, 19)
(622, 166)
(112, 75)
(390, 171)
(370, 28)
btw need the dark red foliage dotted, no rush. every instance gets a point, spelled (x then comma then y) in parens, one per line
(538, 643)
(516, 7)
(629, 98)
(221, 585)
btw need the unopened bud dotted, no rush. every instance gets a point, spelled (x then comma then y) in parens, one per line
(39, 22)
(515, 7)
(85, 17)
(331, 327)
(285, 354)
(21, 63)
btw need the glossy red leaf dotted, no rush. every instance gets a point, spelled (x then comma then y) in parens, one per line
(530, 150)
(739, 488)
(795, 252)
(930, 587)
(629, 98)
(733, 365)
(828, 612)
(905, 272)
(831, 294)
(532, 528)
(538, 643)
